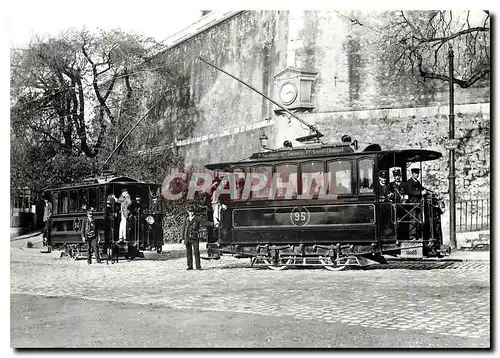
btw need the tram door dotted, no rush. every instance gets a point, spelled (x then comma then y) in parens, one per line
(112, 217)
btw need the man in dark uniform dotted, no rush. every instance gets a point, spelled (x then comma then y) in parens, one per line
(415, 190)
(396, 188)
(190, 236)
(382, 190)
(381, 186)
(90, 236)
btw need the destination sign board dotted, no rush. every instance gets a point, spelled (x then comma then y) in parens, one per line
(303, 152)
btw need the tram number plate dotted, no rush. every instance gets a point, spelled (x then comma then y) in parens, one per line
(299, 216)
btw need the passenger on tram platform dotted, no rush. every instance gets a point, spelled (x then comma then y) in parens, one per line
(215, 202)
(125, 202)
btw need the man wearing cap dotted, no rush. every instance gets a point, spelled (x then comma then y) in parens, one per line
(125, 203)
(381, 185)
(414, 188)
(190, 236)
(382, 190)
(396, 188)
(90, 236)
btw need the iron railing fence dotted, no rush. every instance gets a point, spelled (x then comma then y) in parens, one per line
(473, 215)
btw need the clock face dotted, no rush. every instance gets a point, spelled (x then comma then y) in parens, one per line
(288, 93)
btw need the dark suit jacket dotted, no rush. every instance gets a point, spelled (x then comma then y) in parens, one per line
(397, 190)
(414, 190)
(87, 230)
(191, 229)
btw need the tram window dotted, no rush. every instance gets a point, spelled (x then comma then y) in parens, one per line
(93, 198)
(340, 174)
(73, 201)
(263, 193)
(312, 177)
(63, 203)
(365, 176)
(55, 203)
(101, 200)
(239, 183)
(83, 203)
(285, 183)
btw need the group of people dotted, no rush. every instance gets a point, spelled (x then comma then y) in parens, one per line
(89, 232)
(410, 191)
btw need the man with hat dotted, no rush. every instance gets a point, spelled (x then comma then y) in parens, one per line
(396, 187)
(414, 188)
(90, 236)
(125, 202)
(381, 185)
(190, 236)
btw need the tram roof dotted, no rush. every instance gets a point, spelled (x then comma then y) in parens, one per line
(398, 156)
(101, 180)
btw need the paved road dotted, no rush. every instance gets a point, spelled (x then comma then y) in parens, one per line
(425, 305)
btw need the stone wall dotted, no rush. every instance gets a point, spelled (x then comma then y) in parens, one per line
(256, 45)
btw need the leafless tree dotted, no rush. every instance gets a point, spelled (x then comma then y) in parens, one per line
(61, 87)
(419, 41)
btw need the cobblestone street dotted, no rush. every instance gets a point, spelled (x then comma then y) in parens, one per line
(439, 299)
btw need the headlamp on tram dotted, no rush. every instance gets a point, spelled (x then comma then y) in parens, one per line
(150, 219)
(263, 140)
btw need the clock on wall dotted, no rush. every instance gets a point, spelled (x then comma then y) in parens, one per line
(288, 93)
(293, 88)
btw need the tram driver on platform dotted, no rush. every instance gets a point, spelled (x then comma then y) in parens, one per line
(382, 186)
(396, 188)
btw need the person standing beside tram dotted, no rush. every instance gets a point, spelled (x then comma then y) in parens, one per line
(190, 236)
(125, 203)
(90, 236)
(47, 221)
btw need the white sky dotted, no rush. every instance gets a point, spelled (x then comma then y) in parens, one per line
(24, 19)
(155, 18)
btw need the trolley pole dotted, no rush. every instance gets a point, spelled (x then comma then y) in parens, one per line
(452, 147)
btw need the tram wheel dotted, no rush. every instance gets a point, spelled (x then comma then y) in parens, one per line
(284, 264)
(331, 265)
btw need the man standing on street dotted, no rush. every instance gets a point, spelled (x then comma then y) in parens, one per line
(47, 221)
(190, 237)
(125, 202)
(90, 236)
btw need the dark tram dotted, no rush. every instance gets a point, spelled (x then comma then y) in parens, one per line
(329, 209)
(70, 204)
